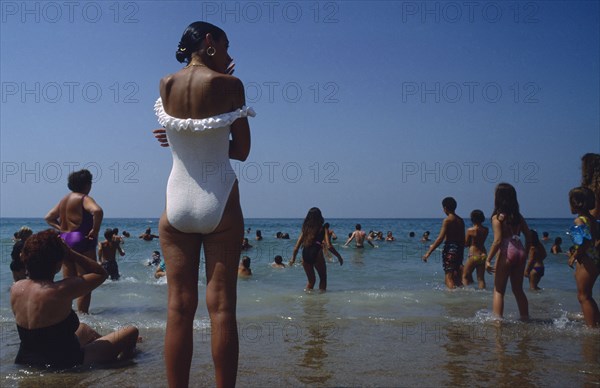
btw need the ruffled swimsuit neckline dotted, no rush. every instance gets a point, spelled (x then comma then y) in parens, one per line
(197, 125)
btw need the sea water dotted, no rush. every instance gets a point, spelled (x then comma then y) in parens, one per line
(385, 320)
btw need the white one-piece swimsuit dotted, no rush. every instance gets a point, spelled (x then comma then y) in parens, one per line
(202, 177)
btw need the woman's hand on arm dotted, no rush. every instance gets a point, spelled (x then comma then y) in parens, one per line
(94, 275)
(161, 136)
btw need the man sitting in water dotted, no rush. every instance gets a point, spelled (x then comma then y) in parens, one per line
(278, 262)
(359, 236)
(453, 233)
(244, 270)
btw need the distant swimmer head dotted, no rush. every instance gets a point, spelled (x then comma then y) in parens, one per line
(449, 204)
(278, 259)
(581, 199)
(43, 254)
(411, 234)
(477, 217)
(80, 181)
(204, 44)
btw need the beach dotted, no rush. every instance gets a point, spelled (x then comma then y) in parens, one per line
(385, 320)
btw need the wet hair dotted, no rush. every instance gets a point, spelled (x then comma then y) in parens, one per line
(313, 223)
(278, 235)
(116, 231)
(558, 241)
(505, 202)
(278, 259)
(285, 236)
(78, 180)
(326, 225)
(192, 38)
(126, 233)
(477, 216)
(258, 233)
(545, 234)
(148, 230)
(535, 238)
(246, 261)
(358, 227)
(449, 203)
(582, 198)
(42, 253)
(411, 234)
(427, 232)
(108, 233)
(156, 253)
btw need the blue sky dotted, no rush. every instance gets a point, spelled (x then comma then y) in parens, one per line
(364, 109)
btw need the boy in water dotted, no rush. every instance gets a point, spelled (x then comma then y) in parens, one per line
(359, 236)
(107, 253)
(452, 234)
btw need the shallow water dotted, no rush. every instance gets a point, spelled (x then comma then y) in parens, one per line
(386, 319)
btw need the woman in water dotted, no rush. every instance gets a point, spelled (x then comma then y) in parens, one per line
(313, 235)
(78, 218)
(508, 224)
(49, 329)
(586, 238)
(202, 109)
(475, 240)
(535, 266)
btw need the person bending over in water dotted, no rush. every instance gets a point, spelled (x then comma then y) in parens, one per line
(508, 224)
(312, 236)
(586, 237)
(78, 218)
(475, 240)
(452, 234)
(49, 329)
(535, 266)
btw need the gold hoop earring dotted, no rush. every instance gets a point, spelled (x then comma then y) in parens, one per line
(211, 51)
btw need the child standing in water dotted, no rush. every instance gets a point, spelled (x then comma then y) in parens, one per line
(453, 236)
(586, 237)
(508, 224)
(475, 240)
(535, 267)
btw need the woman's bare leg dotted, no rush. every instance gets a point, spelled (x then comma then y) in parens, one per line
(516, 283)
(481, 276)
(108, 348)
(222, 250)
(500, 281)
(585, 277)
(182, 257)
(467, 275)
(311, 278)
(83, 302)
(321, 268)
(86, 334)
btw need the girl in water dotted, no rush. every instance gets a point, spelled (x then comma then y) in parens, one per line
(313, 235)
(586, 237)
(475, 240)
(508, 224)
(535, 267)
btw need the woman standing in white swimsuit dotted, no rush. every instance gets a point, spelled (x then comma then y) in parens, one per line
(202, 109)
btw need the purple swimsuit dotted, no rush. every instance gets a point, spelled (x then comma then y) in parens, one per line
(77, 239)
